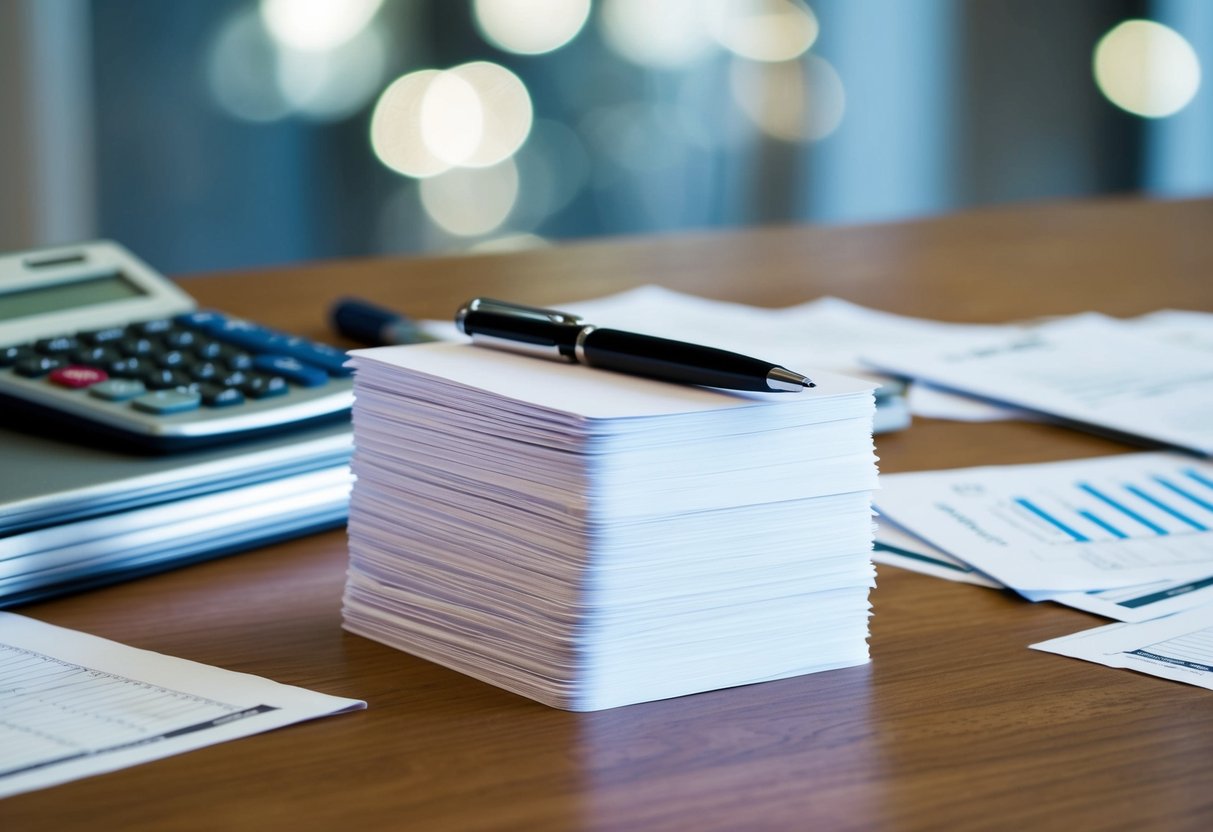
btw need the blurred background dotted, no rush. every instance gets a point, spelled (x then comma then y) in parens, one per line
(238, 133)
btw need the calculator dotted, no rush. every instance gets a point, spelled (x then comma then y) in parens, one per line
(100, 346)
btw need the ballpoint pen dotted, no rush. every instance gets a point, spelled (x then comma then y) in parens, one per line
(553, 334)
(367, 323)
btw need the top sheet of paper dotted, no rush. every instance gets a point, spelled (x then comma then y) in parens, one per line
(585, 392)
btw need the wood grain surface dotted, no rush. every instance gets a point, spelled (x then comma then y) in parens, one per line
(955, 724)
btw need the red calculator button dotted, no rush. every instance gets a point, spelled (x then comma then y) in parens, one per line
(75, 375)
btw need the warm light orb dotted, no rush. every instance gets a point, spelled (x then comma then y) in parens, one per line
(1146, 68)
(764, 30)
(317, 25)
(469, 202)
(473, 116)
(396, 127)
(530, 27)
(666, 34)
(795, 101)
(452, 118)
(505, 108)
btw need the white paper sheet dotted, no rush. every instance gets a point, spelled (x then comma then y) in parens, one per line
(1092, 370)
(897, 547)
(1178, 647)
(1079, 525)
(1142, 602)
(73, 705)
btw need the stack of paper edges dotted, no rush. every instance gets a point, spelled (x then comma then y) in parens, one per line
(590, 539)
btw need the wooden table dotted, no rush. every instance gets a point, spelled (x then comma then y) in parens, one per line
(955, 724)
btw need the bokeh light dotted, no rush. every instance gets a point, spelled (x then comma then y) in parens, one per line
(506, 112)
(241, 68)
(331, 85)
(317, 25)
(666, 34)
(475, 115)
(764, 30)
(396, 127)
(530, 27)
(470, 202)
(801, 100)
(451, 118)
(1146, 68)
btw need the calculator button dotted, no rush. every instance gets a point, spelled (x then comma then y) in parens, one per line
(205, 370)
(117, 389)
(236, 359)
(103, 336)
(77, 376)
(169, 358)
(167, 401)
(36, 366)
(56, 346)
(203, 319)
(11, 355)
(164, 379)
(136, 345)
(214, 395)
(234, 378)
(129, 367)
(262, 387)
(330, 359)
(179, 338)
(207, 349)
(97, 356)
(292, 369)
(244, 334)
(150, 327)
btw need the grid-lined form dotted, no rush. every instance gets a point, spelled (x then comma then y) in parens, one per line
(52, 711)
(1193, 650)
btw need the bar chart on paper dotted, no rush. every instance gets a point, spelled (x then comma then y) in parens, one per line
(1177, 501)
(1080, 525)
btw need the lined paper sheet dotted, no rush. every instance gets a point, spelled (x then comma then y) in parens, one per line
(74, 705)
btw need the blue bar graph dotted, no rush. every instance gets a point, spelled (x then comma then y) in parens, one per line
(1161, 505)
(1121, 507)
(1049, 518)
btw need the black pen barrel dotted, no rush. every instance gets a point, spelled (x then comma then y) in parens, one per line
(662, 358)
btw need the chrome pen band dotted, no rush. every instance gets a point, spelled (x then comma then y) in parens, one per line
(579, 345)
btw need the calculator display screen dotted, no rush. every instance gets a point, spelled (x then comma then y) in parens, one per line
(87, 291)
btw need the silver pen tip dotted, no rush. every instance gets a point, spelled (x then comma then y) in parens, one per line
(783, 380)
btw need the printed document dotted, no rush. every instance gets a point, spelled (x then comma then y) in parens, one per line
(1092, 370)
(74, 705)
(1178, 647)
(1141, 602)
(1079, 525)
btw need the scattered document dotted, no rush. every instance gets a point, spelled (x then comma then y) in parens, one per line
(896, 547)
(73, 705)
(1141, 602)
(1079, 525)
(1178, 647)
(1090, 370)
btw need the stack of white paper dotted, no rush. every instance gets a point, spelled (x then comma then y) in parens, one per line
(590, 539)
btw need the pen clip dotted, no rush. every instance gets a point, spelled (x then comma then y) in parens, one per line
(531, 314)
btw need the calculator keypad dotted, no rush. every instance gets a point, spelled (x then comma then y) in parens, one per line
(198, 360)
